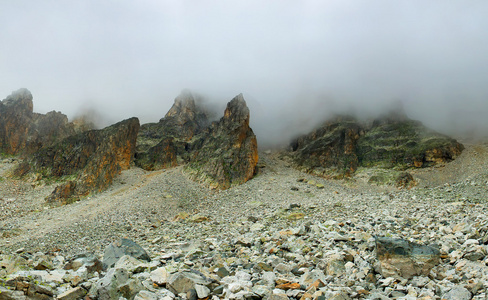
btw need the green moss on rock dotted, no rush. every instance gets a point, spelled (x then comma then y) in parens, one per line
(340, 146)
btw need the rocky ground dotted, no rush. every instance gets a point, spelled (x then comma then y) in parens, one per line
(282, 235)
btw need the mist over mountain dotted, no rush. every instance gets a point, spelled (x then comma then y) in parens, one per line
(295, 62)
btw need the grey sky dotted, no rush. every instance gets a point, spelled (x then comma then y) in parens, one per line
(295, 61)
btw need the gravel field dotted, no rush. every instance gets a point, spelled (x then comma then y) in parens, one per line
(166, 213)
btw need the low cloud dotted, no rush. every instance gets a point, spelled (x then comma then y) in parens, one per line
(295, 62)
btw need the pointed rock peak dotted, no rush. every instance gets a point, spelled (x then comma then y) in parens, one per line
(21, 97)
(237, 110)
(19, 94)
(184, 104)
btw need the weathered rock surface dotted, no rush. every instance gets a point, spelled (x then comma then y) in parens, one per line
(166, 143)
(404, 142)
(343, 144)
(24, 132)
(219, 154)
(403, 259)
(90, 159)
(122, 247)
(229, 152)
(330, 149)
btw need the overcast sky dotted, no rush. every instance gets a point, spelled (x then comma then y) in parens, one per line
(294, 61)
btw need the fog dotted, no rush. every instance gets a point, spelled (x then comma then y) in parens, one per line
(295, 61)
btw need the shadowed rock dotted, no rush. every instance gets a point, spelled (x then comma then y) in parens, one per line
(330, 149)
(403, 259)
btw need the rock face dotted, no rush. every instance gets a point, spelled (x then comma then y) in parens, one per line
(341, 145)
(229, 152)
(24, 132)
(330, 148)
(92, 159)
(405, 142)
(219, 154)
(167, 143)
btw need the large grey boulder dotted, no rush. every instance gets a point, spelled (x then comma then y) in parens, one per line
(122, 247)
(115, 284)
(184, 281)
(72, 294)
(457, 293)
(88, 260)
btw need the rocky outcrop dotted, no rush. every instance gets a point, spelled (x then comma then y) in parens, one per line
(167, 143)
(219, 154)
(88, 160)
(405, 143)
(15, 116)
(330, 149)
(24, 132)
(341, 145)
(229, 152)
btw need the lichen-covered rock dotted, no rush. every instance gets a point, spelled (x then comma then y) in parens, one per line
(330, 149)
(90, 160)
(219, 154)
(405, 143)
(24, 132)
(343, 144)
(229, 153)
(168, 143)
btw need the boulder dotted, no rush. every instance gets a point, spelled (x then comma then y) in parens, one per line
(400, 258)
(87, 260)
(10, 264)
(8, 294)
(184, 281)
(122, 247)
(146, 295)
(159, 276)
(457, 293)
(115, 284)
(229, 152)
(405, 180)
(73, 294)
(30, 286)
